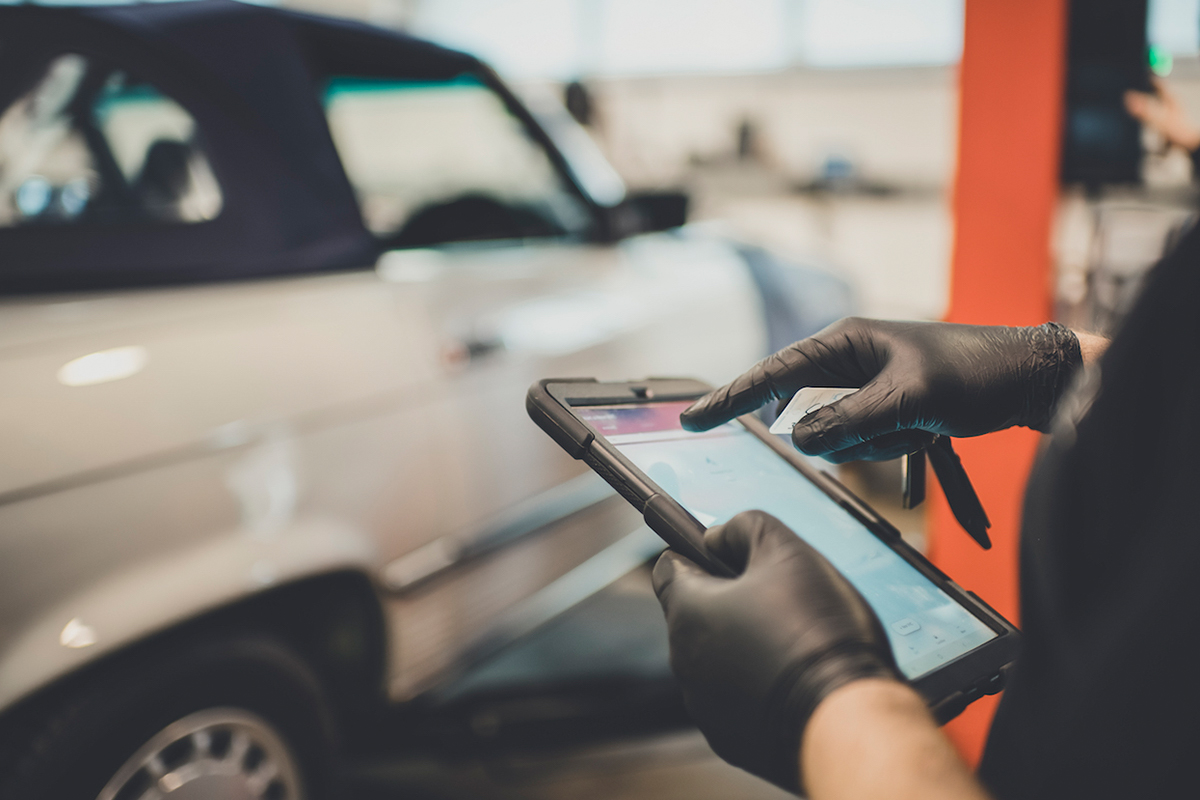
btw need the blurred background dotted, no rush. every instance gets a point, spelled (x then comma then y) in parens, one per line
(309, 429)
(825, 129)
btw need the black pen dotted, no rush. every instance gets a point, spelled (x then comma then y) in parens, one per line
(960, 494)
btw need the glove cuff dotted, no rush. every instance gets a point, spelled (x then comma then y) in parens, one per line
(818, 679)
(1055, 359)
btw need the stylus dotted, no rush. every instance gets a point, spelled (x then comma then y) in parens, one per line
(960, 494)
(912, 478)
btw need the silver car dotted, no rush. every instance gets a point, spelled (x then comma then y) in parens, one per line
(273, 288)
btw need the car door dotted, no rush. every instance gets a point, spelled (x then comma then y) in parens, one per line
(496, 248)
(194, 444)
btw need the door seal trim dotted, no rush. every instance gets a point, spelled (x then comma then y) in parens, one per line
(450, 552)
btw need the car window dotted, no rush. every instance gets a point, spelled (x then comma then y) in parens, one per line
(90, 143)
(436, 162)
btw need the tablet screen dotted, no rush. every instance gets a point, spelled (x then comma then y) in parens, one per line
(719, 473)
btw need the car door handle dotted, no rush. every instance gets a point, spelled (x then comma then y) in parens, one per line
(482, 348)
(461, 352)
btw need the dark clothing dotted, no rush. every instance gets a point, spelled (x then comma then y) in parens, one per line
(1105, 701)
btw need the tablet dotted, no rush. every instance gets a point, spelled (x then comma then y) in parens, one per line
(947, 642)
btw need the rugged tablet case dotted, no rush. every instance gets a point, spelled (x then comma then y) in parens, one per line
(662, 514)
(948, 689)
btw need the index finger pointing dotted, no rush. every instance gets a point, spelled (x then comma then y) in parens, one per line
(776, 377)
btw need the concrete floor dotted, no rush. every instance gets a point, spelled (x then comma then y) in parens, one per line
(666, 766)
(583, 708)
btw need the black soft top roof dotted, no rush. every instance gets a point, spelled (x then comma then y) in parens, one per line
(250, 76)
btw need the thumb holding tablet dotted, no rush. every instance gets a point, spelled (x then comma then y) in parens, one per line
(756, 654)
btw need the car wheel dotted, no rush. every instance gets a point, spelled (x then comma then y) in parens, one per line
(222, 719)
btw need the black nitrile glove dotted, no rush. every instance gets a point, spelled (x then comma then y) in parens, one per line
(917, 379)
(756, 654)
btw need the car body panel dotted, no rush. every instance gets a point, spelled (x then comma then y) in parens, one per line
(289, 426)
(309, 404)
(215, 356)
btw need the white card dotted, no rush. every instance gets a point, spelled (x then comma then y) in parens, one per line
(805, 402)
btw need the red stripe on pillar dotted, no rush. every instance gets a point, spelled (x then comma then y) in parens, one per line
(1005, 192)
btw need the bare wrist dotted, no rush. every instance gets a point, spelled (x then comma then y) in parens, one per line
(869, 693)
(875, 738)
(853, 703)
(1189, 140)
(1091, 346)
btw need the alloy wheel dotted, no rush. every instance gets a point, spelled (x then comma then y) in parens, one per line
(214, 754)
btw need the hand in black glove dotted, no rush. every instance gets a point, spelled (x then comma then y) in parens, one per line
(917, 379)
(756, 654)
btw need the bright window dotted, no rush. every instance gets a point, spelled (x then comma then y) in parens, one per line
(1174, 26)
(564, 39)
(434, 162)
(86, 146)
(666, 36)
(863, 33)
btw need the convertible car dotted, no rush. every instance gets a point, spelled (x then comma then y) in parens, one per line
(272, 288)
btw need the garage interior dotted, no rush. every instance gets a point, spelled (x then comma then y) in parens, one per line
(873, 147)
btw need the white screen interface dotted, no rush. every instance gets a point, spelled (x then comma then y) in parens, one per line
(719, 473)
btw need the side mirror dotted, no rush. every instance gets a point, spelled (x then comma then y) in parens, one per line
(648, 212)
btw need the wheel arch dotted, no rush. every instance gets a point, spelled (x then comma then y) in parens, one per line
(333, 620)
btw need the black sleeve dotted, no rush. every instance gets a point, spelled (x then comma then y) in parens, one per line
(1103, 700)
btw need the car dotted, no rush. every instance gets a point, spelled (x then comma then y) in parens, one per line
(273, 286)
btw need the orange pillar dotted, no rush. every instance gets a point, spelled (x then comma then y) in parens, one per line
(1010, 104)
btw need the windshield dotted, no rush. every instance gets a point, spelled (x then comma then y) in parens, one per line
(445, 161)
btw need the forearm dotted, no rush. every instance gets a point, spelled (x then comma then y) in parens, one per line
(1091, 346)
(875, 739)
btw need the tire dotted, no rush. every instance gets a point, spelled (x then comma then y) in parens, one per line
(219, 718)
